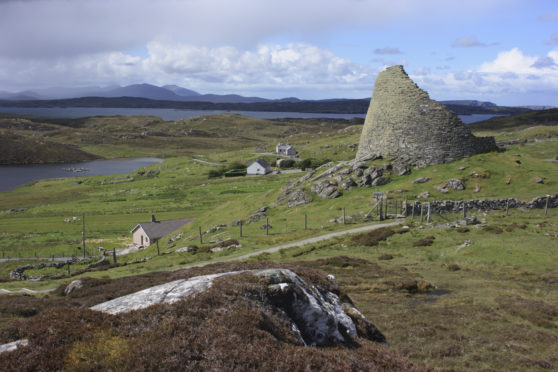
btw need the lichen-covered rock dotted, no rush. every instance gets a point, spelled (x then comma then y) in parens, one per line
(347, 184)
(455, 184)
(317, 315)
(75, 284)
(401, 169)
(405, 125)
(298, 197)
(325, 189)
(421, 180)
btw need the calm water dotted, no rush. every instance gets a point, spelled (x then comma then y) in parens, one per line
(165, 114)
(12, 176)
(174, 114)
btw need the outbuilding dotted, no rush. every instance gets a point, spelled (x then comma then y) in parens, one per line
(259, 167)
(146, 233)
(282, 149)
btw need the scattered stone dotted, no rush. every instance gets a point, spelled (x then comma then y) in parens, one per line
(218, 227)
(477, 188)
(539, 180)
(16, 210)
(401, 169)
(421, 180)
(474, 175)
(325, 189)
(508, 181)
(236, 223)
(442, 189)
(344, 171)
(75, 284)
(461, 168)
(359, 172)
(347, 184)
(11, 346)
(190, 248)
(465, 244)
(264, 227)
(423, 195)
(298, 197)
(455, 184)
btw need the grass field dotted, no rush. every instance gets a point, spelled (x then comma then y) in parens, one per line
(491, 305)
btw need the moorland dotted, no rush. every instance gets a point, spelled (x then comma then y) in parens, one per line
(490, 305)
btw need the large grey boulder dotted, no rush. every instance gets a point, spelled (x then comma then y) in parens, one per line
(298, 197)
(325, 189)
(317, 315)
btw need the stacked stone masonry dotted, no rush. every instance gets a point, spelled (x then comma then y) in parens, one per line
(405, 125)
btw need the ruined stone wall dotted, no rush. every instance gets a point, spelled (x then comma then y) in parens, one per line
(404, 124)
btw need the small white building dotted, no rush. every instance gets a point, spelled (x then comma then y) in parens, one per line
(146, 233)
(282, 149)
(259, 167)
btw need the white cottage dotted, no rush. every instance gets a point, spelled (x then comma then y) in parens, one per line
(259, 167)
(282, 149)
(146, 233)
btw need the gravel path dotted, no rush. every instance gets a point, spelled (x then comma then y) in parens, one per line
(301, 242)
(255, 253)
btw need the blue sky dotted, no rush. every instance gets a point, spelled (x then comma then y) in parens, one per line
(505, 51)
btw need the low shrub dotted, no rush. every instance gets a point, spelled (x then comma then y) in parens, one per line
(429, 240)
(373, 237)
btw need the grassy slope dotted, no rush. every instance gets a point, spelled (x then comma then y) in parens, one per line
(500, 275)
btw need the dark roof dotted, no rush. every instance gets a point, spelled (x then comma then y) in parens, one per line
(158, 229)
(262, 162)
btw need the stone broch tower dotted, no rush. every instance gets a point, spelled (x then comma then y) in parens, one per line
(403, 124)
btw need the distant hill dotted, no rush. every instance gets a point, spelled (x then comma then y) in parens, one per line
(216, 102)
(144, 91)
(468, 102)
(181, 91)
(517, 121)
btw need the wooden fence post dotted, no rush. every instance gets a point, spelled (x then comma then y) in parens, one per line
(546, 205)
(241, 228)
(507, 207)
(380, 210)
(267, 226)
(201, 240)
(305, 221)
(421, 212)
(343, 215)
(428, 214)
(464, 210)
(114, 255)
(413, 210)
(158, 252)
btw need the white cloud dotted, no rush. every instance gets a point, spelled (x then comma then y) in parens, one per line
(512, 76)
(286, 69)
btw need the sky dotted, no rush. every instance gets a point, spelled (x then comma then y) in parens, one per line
(504, 51)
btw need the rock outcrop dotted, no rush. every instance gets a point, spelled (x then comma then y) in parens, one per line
(405, 125)
(316, 315)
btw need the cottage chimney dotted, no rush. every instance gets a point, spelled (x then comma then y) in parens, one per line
(153, 218)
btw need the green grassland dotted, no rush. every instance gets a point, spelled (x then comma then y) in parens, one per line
(495, 309)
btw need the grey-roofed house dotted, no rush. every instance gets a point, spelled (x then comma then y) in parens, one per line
(146, 233)
(259, 167)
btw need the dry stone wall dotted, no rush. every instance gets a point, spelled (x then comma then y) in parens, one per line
(405, 125)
